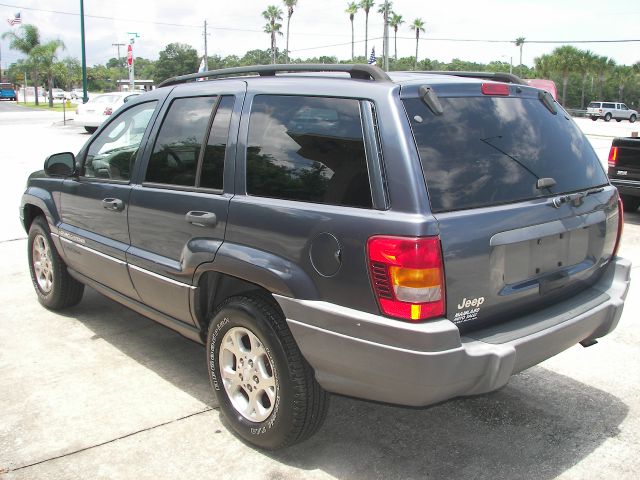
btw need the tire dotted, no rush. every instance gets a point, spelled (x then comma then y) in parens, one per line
(249, 341)
(630, 204)
(632, 119)
(618, 120)
(594, 118)
(56, 289)
(607, 117)
(90, 129)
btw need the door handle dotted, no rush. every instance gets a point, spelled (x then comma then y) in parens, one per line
(114, 204)
(201, 219)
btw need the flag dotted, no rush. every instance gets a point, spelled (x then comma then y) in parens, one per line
(17, 18)
(372, 57)
(201, 70)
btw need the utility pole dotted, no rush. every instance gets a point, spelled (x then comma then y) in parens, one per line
(85, 97)
(118, 45)
(206, 54)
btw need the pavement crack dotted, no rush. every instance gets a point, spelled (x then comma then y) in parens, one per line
(68, 454)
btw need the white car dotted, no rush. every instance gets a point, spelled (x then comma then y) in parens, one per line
(91, 114)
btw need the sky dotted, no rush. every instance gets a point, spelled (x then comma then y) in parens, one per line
(323, 27)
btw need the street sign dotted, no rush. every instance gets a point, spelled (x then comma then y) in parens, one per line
(129, 55)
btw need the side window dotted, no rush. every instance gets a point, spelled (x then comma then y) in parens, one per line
(623, 106)
(213, 162)
(608, 105)
(112, 153)
(308, 149)
(174, 159)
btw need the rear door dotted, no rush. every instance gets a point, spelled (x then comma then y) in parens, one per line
(498, 169)
(178, 208)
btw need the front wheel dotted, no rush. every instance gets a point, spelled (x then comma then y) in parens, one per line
(56, 289)
(90, 129)
(632, 119)
(265, 388)
(594, 118)
(607, 117)
(618, 120)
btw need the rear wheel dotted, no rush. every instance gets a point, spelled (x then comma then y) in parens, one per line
(607, 117)
(632, 118)
(618, 120)
(594, 118)
(630, 204)
(264, 386)
(56, 289)
(90, 129)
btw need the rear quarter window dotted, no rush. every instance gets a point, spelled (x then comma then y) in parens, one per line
(486, 151)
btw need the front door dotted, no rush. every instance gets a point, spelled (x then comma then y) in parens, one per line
(94, 206)
(178, 208)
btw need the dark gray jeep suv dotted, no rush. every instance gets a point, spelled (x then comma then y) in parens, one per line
(405, 238)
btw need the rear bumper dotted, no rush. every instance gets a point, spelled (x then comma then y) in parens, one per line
(627, 187)
(369, 356)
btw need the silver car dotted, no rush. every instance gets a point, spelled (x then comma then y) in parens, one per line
(609, 110)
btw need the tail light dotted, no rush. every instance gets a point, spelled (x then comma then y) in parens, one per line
(620, 226)
(600, 110)
(613, 156)
(495, 89)
(407, 275)
(108, 111)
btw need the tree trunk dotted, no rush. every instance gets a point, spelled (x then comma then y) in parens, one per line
(35, 85)
(366, 37)
(395, 43)
(620, 92)
(352, 41)
(50, 87)
(565, 82)
(584, 80)
(273, 46)
(600, 85)
(415, 65)
(288, 22)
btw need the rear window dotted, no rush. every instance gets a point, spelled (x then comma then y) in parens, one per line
(486, 151)
(594, 105)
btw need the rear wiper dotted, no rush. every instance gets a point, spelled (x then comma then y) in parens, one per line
(575, 198)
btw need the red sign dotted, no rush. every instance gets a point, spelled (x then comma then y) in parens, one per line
(129, 55)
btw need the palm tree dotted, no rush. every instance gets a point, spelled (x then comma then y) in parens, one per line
(519, 43)
(395, 22)
(417, 26)
(272, 14)
(352, 9)
(45, 56)
(289, 4)
(563, 60)
(623, 75)
(366, 5)
(603, 66)
(385, 10)
(585, 67)
(25, 42)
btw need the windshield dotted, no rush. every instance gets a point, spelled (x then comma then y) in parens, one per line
(486, 151)
(106, 99)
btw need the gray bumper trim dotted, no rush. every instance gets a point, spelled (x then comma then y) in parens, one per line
(373, 357)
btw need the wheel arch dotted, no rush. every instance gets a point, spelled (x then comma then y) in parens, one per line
(37, 201)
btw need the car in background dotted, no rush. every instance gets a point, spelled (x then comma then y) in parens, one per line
(76, 93)
(608, 110)
(544, 84)
(7, 91)
(56, 93)
(91, 114)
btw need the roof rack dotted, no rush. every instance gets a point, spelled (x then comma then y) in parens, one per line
(497, 76)
(357, 71)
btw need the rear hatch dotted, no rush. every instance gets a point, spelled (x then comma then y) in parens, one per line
(624, 159)
(594, 108)
(527, 216)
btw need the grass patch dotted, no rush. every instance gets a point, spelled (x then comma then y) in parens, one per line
(57, 106)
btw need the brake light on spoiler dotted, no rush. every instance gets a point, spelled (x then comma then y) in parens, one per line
(495, 89)
(407, 275)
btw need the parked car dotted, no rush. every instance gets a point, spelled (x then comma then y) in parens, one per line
(91, 114)
(7, 91)
(624, 170)
(76, 93)
(56, 93)
(609, 110)
(404, 237)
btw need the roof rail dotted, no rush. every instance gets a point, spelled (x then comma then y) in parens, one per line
(358, 71)
(497, 76)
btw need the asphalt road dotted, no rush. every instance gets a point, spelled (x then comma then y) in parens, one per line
(101, 392)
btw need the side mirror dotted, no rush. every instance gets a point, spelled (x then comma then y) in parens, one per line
(60, 165)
